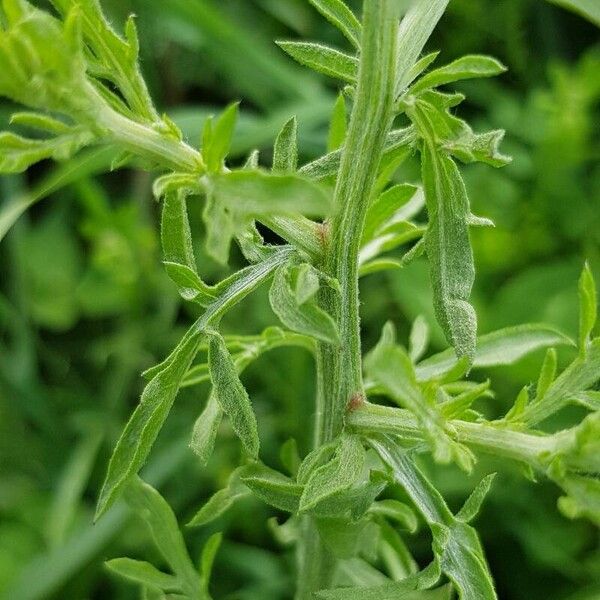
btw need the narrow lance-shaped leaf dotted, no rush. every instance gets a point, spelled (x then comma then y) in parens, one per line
(146, 421)
(161, 520)
(342, 17)
(178, 252)
(205, 429)
(157, 398)
(207, 559)
(285, 151)
(231, 394)
(219, 141)
(587, 307)
(466, 67)
(323, 59)
(304, 317)
(144, 573)
(338, 125)
(502, 347)
(455, 544)
(449, 250)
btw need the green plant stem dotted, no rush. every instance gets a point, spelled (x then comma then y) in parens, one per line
(339, 371)
(532, 449)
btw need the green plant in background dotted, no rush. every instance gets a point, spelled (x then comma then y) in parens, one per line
(337, 217)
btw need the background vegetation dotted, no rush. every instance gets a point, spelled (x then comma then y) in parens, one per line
(85, 306)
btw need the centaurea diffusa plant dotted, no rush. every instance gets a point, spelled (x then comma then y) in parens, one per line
(338, 217)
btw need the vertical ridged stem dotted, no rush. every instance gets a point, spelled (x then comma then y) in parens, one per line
(339, 368)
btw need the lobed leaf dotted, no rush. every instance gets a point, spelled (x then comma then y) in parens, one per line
(323, 59)
(455, 544)
(17, 153)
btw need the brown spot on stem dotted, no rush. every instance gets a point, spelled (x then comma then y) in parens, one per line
(355, 402)
(323, 231)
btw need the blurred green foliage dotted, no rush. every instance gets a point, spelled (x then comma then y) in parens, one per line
(85, 306)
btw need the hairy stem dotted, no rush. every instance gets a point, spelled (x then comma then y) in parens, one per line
(339, 368)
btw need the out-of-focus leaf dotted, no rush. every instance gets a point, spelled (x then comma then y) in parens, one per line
(144, 573)
(586, 8)
(161, 520)
(502, 347)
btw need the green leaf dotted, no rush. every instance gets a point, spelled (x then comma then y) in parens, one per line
(178, 252)
(323, 59)
(419, 338)
(165, 379)
(289, 456)
(397, 511)
(143, 572)
(467, 67)
(588, 307)
(17, 153)
(391, 369)
(272, 487)
(256, 193)
(33, 76)
(338, 125)
(206, 427)
(547, 374)
(113, 58)
(285, 151)
(216, 151)
(582, 374)
(220, 502)
(343, 538)
(220, 228)
(231, 394)
(161, 520)
(336, 476)
(337, 13)
(306, 318)
(473, 503)
(41, 122)
(329, 164)
(455, 544)
(449, 251)
(502, 347)
(143, 427)
(420, 66)
(405, 588)
(588, 9)
(207, 559)
(388, 210)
